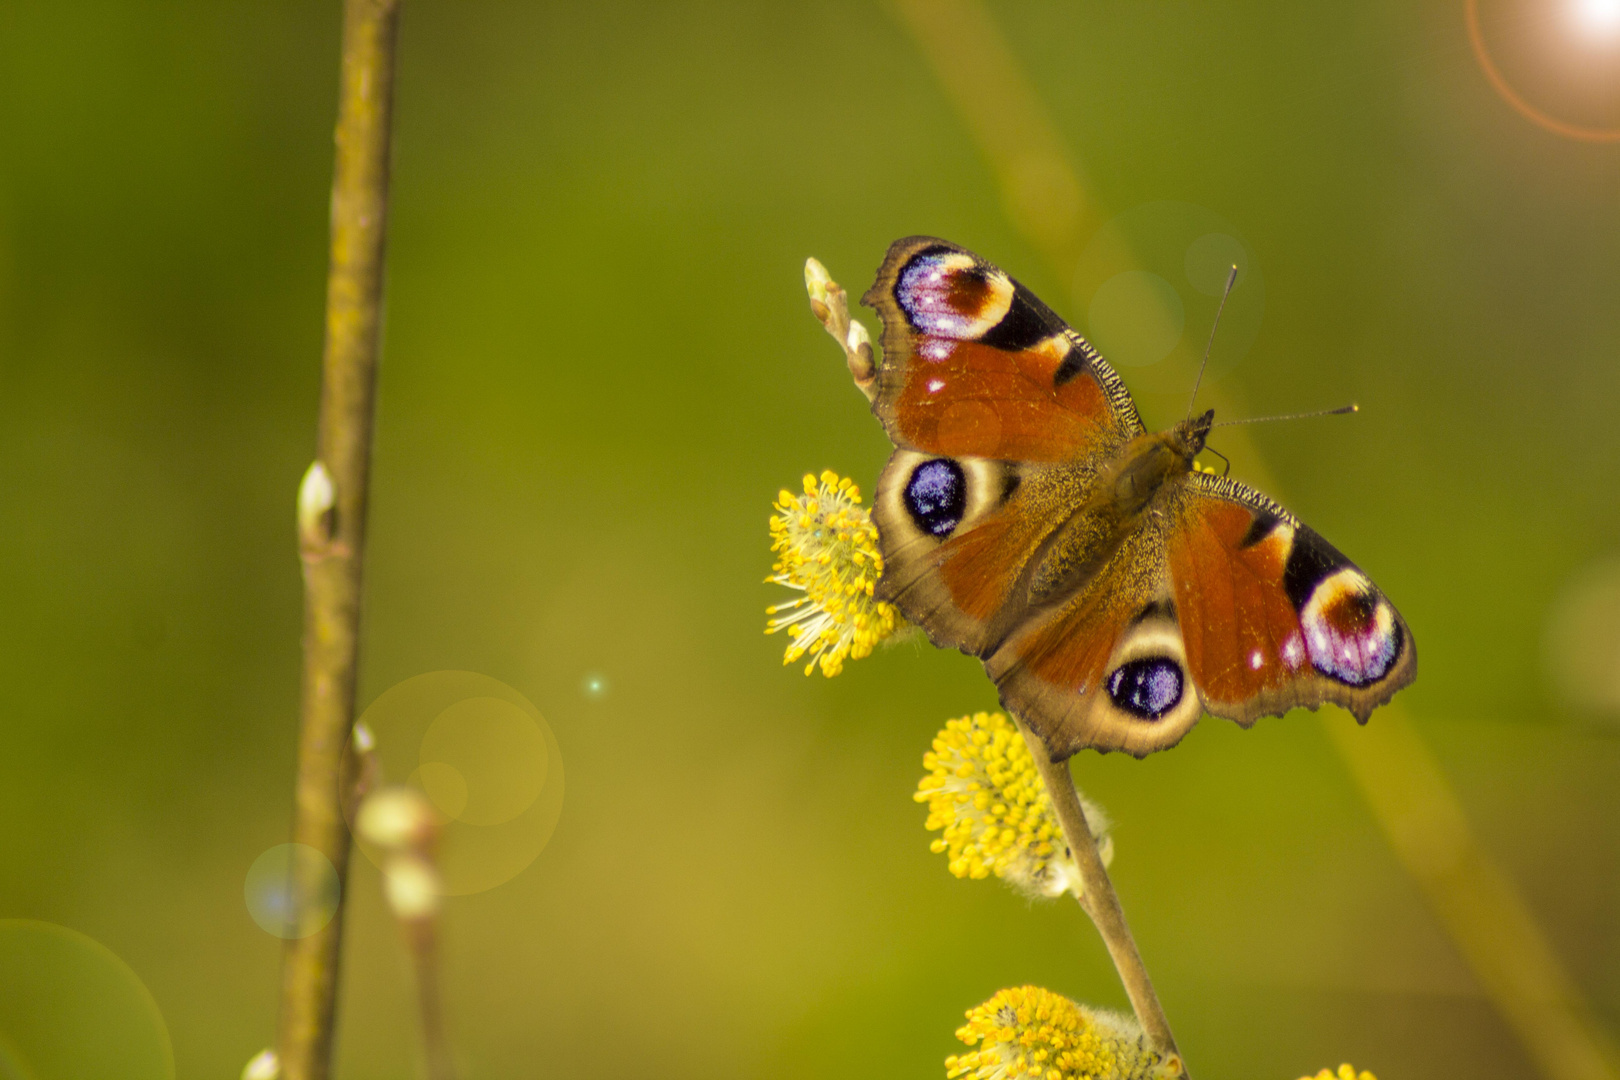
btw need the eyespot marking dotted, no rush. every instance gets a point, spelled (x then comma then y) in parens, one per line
(949, 294)
(936, 496)
(1350, 629)
(1146, 688)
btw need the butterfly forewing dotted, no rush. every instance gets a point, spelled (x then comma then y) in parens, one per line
(1274, 616)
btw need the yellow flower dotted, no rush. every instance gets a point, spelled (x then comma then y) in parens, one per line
(1346, 1072)
(826, 548)
(1028, 1032)
(983, 791)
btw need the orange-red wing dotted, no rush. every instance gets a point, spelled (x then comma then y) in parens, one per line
(1272, 615)
(1241, 634)
(1107, 669)
(975, 365)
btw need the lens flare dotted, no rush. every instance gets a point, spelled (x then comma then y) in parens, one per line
(1598, 16)
(70, 1008)
(594, 686)
(291, 891)
(1149, 283)
(1136, 318)
(1591, 13)
(486, 760)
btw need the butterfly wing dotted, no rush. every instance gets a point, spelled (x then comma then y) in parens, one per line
(1004, 420)
(1106, 667)
(1272, 615)
(974, 365)
(1000, 413)
(1220, 601)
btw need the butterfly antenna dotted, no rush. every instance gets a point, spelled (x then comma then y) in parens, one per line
(1231, 280)
(1340, 411)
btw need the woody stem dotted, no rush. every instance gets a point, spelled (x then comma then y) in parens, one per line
(1099, 899)
(332, 547)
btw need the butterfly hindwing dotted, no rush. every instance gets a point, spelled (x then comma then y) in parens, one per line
(939, 516)
(1106, 669)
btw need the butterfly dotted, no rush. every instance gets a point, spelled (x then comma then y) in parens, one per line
(1114, 591)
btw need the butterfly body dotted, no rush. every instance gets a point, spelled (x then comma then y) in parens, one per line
(1113, 591)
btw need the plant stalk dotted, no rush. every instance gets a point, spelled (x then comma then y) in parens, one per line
(1099, 899)
(331, 544)
(423, 940)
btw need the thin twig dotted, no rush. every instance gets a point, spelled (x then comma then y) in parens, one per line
(1098, 898)
(331, 544)
(423, 941)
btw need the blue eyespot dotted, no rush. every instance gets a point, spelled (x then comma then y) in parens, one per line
(1147, 688)
(936, 496)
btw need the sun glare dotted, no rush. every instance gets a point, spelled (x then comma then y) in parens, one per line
(1598, 17)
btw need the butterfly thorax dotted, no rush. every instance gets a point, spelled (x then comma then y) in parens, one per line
(1150, 460)
(1123, 492)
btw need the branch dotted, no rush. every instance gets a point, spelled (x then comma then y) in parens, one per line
(1099, 899)
(332, 528)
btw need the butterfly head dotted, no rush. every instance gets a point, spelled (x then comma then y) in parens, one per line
(1188, 436)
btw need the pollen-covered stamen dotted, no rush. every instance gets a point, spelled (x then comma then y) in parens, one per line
(1028, 1031)
(986, 797)
(826, 548)
(1345, 1072)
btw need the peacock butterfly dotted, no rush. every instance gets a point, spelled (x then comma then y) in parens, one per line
(1114, 591)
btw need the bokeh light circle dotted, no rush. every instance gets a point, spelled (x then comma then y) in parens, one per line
(292, 891)
(70, 1009)
(490, 755)
(594, 685)
(487, 761)
(1581, 645)
(1151, 280)
(1499, 82)
(1209, 261)
(1136, 318)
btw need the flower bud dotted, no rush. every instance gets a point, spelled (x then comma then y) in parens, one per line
(316, 499)
(398, 818)
(264, 1065)
(413, 887)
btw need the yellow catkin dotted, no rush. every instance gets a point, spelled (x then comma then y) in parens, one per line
(826, 547)
(988, 803)
(1026, 1032)
(1346, 1072)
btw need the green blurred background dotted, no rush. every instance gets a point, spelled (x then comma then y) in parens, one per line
(599, 368)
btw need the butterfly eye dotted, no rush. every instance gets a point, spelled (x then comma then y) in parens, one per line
(1148, 688)
(936, 496)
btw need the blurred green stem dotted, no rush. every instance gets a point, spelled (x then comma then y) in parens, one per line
(422, 936)
(1489, 921)
(1099, 899)
(332, 546)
